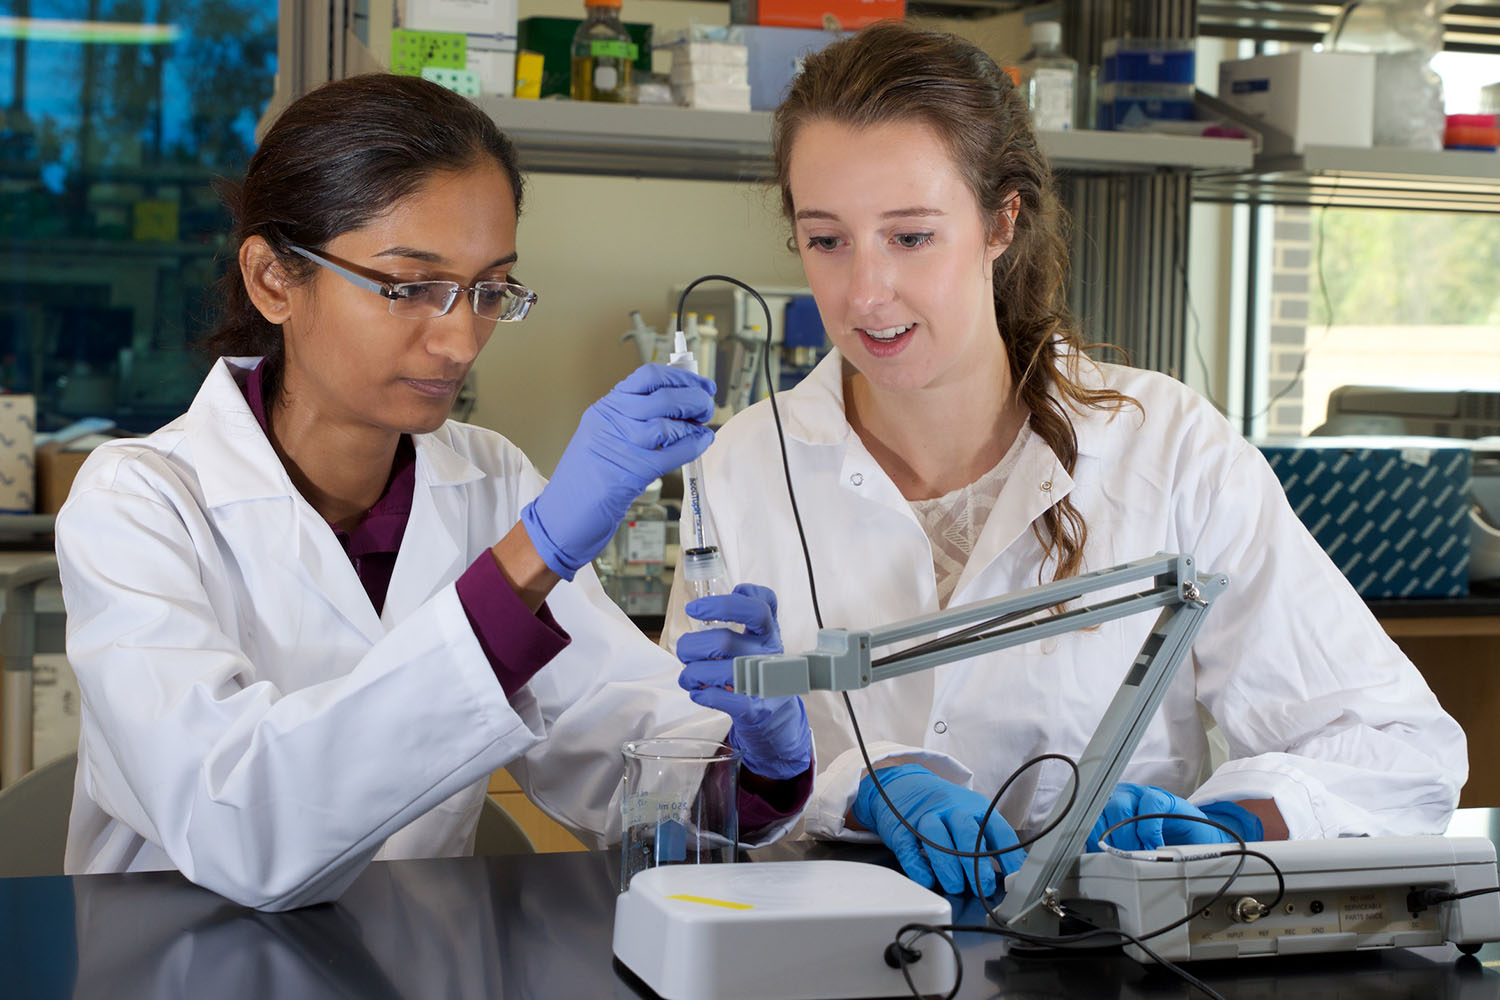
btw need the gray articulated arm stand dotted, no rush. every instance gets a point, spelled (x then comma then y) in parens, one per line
(842, 662)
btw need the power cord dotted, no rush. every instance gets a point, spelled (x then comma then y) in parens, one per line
(1420, 899)
(900, 951)
(1106, 936)
(1194, 336)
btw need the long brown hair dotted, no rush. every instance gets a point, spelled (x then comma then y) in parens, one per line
(336, 158)
(893, 72)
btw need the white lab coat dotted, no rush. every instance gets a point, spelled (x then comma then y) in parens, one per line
(250, 720)
(1320, 710)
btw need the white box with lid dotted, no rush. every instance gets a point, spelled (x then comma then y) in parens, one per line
(1317, 98)
(490, 27)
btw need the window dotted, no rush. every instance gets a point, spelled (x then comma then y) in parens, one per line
(117, 115)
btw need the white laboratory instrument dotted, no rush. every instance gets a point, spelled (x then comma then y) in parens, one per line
(1351, 894)
(778, 930)
(1137, 895)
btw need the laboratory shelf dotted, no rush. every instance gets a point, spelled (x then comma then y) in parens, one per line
(1345, 177)
(649, 141)
(32, 246)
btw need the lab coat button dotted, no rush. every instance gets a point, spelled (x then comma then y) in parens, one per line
(940, 727)
(857, 479)
(1047, 486)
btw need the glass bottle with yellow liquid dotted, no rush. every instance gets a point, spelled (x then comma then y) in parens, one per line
(602, 54)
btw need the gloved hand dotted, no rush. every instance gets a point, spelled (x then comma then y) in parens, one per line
(771, 733)
(643, 428)
(943, 812)
(1136, 800)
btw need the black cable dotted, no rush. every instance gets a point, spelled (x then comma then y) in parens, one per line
(905, 955)
(976, 632)
(950, 638)
(1454, 896)
(1420, 899)
(1063, 942)
(1327, 310)
(1243, 852)
(954, 851)
(786, 466)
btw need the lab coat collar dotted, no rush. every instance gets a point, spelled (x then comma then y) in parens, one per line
(814, 409)
(813, 412)
(234, 458)
(236, 461)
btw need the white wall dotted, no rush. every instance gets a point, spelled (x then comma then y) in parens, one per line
(595, 248)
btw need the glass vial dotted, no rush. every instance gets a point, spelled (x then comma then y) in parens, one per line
(602, 53)
(1049, 79)
(704, 574)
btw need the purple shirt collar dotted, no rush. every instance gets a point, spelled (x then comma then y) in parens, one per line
(371, 544)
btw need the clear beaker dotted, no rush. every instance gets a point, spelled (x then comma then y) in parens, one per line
(679, 804)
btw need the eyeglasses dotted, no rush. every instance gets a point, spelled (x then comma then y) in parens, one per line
(502, 301)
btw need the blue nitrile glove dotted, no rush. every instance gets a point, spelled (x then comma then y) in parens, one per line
(771, 733)
(643, 428)
(943, 812)
(1136, 800)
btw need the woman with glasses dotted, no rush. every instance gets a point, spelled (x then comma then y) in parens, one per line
(310, 616)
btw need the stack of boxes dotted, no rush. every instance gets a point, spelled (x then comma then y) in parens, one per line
(711, 75)
(776, 56)
(1292, 92)
(1145, 82)
(487, 42)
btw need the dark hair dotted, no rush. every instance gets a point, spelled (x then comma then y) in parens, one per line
(333, 160)
(893, 72)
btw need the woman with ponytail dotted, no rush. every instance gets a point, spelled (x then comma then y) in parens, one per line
(958, 444)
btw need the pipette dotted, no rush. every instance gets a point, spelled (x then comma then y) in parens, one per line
(702, 564)
(692, 473)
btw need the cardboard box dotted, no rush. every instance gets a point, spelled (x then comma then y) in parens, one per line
(1317, 98)
(470, 17)
(1392, 513)
(846, 15)
(17, 462)
(55, 469)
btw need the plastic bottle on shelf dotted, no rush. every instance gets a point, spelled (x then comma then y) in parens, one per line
(602, 54)
(1049, 79)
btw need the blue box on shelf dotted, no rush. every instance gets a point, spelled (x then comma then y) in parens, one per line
(1392, 513)
(1148, 60)
(1137, 105)
(776, 56)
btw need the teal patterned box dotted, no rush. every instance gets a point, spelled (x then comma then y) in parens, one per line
(17, 454)
(1391, 512)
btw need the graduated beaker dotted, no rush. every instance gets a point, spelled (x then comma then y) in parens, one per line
(679, 804)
